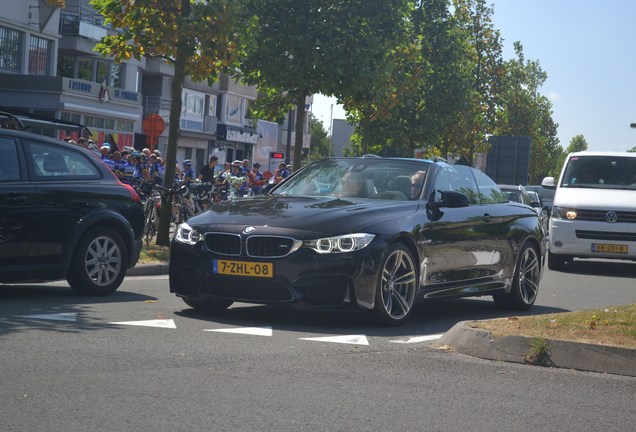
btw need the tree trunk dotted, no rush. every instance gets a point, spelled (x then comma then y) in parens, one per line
(300, 123)
(163, 231)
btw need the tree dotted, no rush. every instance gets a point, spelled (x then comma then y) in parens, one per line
(525, 112)
(304, 47)
(632, 150)
(485, 70)
(320, 146)
(577, 144)
(199, 38)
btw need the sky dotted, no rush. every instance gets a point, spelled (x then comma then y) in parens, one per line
(588, 50)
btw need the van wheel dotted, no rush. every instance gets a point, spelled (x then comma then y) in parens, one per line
(99, 264)
(557, 262)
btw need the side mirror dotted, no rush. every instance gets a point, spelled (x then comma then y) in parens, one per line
(548, 183)
(452, 199)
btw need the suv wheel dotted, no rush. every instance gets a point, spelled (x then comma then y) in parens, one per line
(99, 264)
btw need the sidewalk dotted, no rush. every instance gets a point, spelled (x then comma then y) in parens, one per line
(479, 343)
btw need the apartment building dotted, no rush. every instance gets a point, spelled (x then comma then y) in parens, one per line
(48, 67)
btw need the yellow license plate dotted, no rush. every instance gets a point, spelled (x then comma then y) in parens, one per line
(243, 268)
(609, 248)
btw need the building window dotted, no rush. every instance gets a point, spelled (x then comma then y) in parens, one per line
(115, 75)
(38, 55)
(192, 114)
(212, 105)
(65, 66)
(10, 45)
(234, 111)
(103, 72)
(85, 69)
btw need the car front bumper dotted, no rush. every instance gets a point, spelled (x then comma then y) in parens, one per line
(303, 278)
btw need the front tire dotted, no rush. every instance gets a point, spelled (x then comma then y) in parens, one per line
(99, 264)
(525, 284)
(397, 286)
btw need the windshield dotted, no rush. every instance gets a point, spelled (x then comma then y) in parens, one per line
(600, 172)
(374, 178)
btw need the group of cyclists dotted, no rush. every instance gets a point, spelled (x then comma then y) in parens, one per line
(145, 169)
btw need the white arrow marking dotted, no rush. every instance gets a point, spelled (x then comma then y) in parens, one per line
(419, 339)
(68, 316)
(161, 323)
(254, 331)
(349, 339)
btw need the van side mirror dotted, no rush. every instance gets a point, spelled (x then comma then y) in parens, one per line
(548, 183)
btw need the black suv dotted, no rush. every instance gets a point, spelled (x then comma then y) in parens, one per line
(64, 215)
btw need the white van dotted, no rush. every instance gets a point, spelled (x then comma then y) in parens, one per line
(594, 209)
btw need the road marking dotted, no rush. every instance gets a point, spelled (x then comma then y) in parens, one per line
(417, 339)
(254, 331)
(348, 339)
(67, 316)
(161, 323)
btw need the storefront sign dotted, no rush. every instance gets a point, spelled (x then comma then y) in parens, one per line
(246, 137)
(101, 92)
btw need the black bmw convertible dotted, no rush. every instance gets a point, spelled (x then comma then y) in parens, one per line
(369, 232)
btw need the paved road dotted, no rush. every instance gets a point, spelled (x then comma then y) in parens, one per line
(141, 360)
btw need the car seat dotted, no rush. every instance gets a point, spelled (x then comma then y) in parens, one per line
(54, 164)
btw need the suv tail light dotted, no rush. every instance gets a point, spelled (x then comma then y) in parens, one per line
(131, 191)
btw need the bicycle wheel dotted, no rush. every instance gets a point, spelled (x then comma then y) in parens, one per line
(150, 220)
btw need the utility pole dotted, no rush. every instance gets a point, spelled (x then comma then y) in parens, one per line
(331, 130)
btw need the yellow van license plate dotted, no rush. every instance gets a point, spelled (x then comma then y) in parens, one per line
(609, 248)
(243, 268)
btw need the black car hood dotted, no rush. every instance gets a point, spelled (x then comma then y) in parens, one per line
(319, 214)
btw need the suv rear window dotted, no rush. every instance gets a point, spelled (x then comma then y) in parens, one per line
(53, 162)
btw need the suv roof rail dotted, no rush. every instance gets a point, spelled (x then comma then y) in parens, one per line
(22, 121)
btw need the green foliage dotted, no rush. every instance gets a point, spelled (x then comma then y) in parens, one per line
(525, 112)
(540, 352)
(303, 47)
(320, 147)
(577, 144)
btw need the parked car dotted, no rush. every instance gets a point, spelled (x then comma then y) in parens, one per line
(64, 215)
(594, 213)
(546, 195)
(373, 233)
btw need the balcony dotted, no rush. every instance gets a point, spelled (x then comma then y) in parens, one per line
(82, 21)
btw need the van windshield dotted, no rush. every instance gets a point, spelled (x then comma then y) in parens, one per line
(600, 172)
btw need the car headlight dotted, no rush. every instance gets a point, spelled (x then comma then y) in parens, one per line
(187, 235)
(340, 244)
(564, 213)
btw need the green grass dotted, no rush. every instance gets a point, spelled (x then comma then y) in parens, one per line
(152, 253)
(608, 326)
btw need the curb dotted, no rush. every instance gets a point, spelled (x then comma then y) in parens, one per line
(562, 354)
(148, 270)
